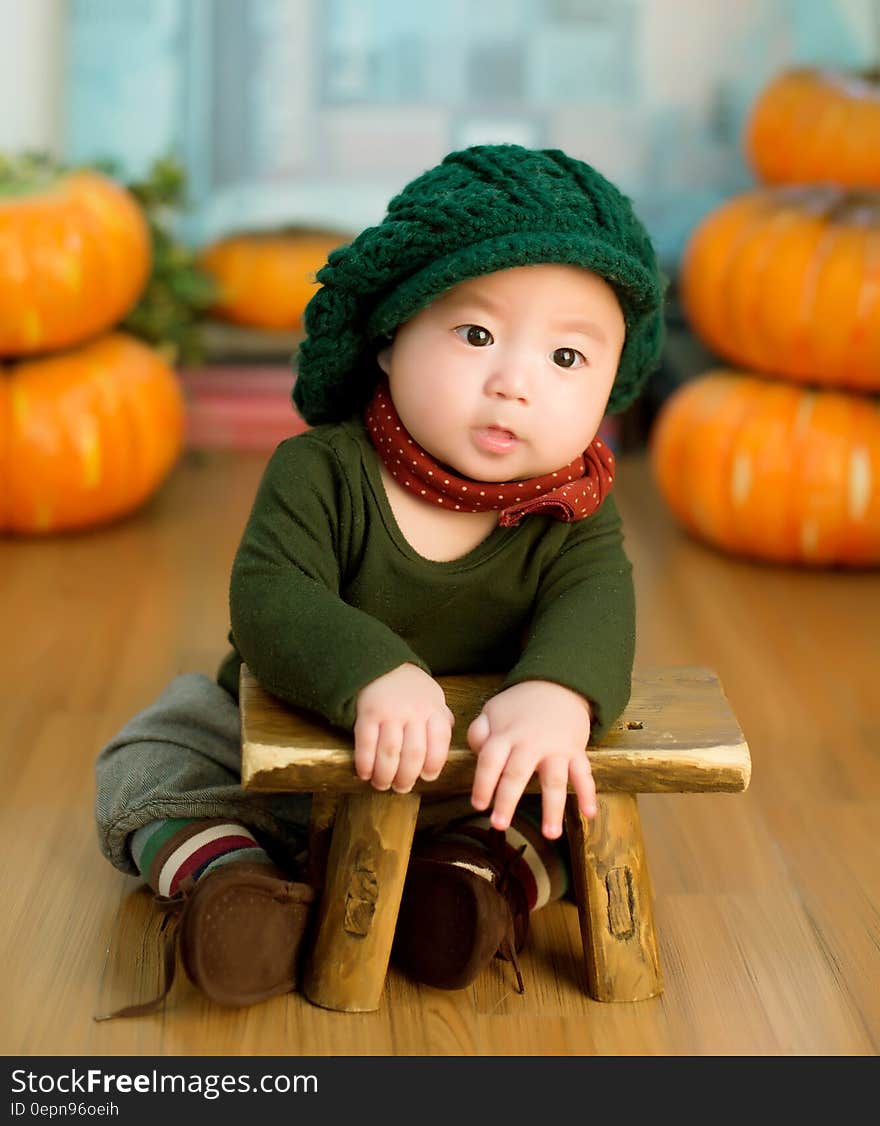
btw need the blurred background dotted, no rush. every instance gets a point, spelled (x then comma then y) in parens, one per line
(257, 134)
(317, 111)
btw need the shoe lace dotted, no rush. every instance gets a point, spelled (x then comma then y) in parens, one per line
(169, 931)
(505, 860)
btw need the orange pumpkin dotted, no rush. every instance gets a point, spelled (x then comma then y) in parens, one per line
(85, 435)
(267, 279)
(74, 258)
(816, 126)
(765, 469)
(787, 281)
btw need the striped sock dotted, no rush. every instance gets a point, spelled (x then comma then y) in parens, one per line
(167, 852)
(543, 868)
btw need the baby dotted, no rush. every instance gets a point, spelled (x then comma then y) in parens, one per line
(449, 511)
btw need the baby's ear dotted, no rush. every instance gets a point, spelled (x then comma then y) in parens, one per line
(383, 358)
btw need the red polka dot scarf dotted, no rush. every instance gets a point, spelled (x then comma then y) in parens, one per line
(571, 493)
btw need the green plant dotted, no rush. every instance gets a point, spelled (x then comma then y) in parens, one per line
(179, 293)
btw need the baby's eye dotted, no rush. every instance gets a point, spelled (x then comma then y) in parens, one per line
(568, 358)
(475, 335)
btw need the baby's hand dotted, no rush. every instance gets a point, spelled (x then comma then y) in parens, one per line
(402, 729)
(535, 725)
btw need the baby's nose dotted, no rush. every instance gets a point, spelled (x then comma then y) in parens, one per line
(509, 382)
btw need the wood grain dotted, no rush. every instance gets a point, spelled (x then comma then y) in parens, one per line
(677, 734)
(615, 900)
(766, 902)
(366, 869)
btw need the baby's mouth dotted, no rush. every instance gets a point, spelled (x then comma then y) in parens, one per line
(495, 439)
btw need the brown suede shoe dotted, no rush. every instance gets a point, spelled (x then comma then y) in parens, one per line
(460, 908)
(240, 929)
(241, 932)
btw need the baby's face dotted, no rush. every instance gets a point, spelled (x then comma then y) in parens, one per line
(507, 376)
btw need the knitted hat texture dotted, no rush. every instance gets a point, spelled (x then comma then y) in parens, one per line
(486, 208)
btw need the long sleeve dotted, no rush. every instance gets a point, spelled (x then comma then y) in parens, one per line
(582, 633)
(301, 640)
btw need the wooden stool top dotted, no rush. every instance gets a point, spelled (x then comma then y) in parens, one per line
(677, 735)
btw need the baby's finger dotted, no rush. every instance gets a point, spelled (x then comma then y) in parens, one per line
(584, 784)
(478, 732)
(490, 763)
(412, 757)
(388, 747)
(439, 732)
(366, 733)
(553, 773)
(514, 778)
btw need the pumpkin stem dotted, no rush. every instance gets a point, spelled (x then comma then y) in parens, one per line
(855, 207)
(28, 172)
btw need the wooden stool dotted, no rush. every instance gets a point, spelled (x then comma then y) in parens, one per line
(678, 735)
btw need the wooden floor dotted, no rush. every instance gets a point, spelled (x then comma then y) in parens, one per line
(767, 903)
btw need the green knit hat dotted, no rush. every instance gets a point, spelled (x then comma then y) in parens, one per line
(486, 208)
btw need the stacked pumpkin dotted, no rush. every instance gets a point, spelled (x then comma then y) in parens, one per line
(778, 456)
(91, 419)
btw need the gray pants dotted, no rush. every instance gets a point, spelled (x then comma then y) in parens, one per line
(181, 757)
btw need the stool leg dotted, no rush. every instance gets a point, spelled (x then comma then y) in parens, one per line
(320, 835)
(366, 868)
(613, 891)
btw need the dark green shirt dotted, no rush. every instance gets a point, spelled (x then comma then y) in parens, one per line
(326, 594)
